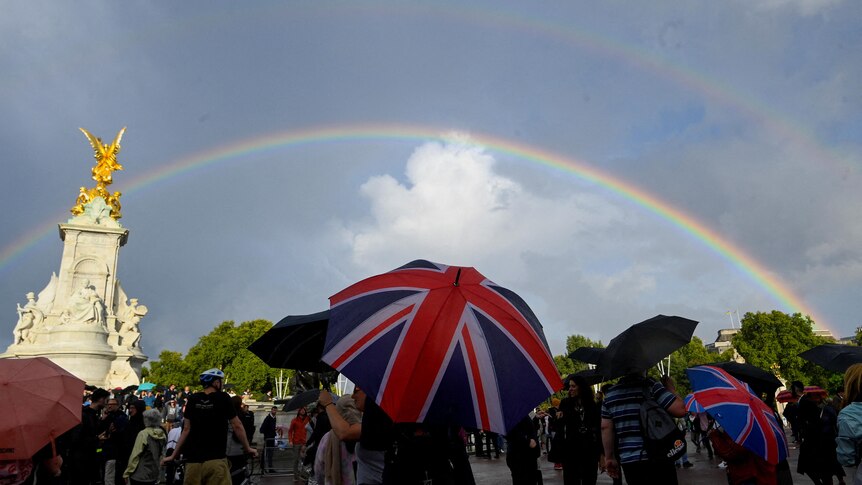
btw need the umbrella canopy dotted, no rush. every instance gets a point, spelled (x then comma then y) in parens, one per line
(745, 418)
(644, 344)
(760, 380)
(834, 357)
(441, 344)
(590, 355)
(39, 401)
(591, 376)
(303, 399)
(129, 389)
(786, 396)
(146, 386)
(691, 404)
(295, 342)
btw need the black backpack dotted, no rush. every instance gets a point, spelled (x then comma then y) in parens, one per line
(663, 440)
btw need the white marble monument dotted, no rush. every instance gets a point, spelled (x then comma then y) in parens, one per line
(83, 320)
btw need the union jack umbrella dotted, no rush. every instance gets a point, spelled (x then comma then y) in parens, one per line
(745, 418)
(691, 404)
(441, 344)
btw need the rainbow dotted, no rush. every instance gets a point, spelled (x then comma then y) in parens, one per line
(235, 152)
(500, 17)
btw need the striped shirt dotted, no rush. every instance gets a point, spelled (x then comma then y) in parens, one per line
(622, 404)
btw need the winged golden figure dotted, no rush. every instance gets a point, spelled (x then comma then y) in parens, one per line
(106, 164)
(106, 157)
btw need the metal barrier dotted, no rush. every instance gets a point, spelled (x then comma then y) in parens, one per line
(278, 460)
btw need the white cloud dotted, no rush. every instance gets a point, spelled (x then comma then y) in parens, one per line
(454, 208)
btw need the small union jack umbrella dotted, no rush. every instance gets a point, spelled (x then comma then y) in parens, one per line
(441, 344)
(745, 418)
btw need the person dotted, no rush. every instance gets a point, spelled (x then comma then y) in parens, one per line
(849, 440)
(372, 444)
(333, 463)
(81, 465)
(791, 409)
(818, 425)
(695, 430)
(321, 427)
(704, 422)
(622, 433)
(743, 466)
(296, 436)
(493, 440)
(144, 461)
(149, 399)
(173, 438)
(126, 440)
(268, 430)
(235, 453)
(112, 426)
(171, 411)
(43, 467)
(522, 451)
(458, 456)
(203, 440)
(555, 438)
(171, 393)
(247, 418)
(579, 421)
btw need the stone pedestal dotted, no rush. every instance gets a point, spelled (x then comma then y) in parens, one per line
(83, 320)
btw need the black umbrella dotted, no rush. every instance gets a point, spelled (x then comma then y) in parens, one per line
(296, 342)
(303, 399)
(591, 376)
(834, 357)
(129, 389)
(644, 344)
(760, 380)
(590, 355)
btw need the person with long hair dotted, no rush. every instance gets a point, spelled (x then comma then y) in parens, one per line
(296, 436)
(580, 421)
(849, 437)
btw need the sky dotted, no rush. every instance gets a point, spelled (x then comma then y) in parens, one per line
(608, 161)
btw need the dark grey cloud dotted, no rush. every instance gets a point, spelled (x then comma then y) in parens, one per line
(744, 114)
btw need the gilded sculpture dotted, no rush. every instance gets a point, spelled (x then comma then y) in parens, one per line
(106, 165)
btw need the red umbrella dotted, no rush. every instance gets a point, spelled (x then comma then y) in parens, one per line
(39, 401)
(786, 396)
(434, 343)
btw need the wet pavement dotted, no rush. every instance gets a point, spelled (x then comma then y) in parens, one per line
(705, 471)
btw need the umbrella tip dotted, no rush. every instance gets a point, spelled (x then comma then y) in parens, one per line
(457, 276)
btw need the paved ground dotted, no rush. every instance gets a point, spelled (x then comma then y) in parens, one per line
(495, 472)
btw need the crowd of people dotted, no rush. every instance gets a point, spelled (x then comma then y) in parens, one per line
(350, 441)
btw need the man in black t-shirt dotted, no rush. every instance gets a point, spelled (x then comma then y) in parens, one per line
(203, 441)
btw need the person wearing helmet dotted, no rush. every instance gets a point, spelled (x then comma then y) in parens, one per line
(203, 441)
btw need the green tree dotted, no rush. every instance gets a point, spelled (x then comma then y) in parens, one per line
(774, 340)
(689, 355)
(171, 369)
(567, 366)
(226, 347)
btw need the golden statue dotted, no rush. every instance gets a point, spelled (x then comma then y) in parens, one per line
(106, 164)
